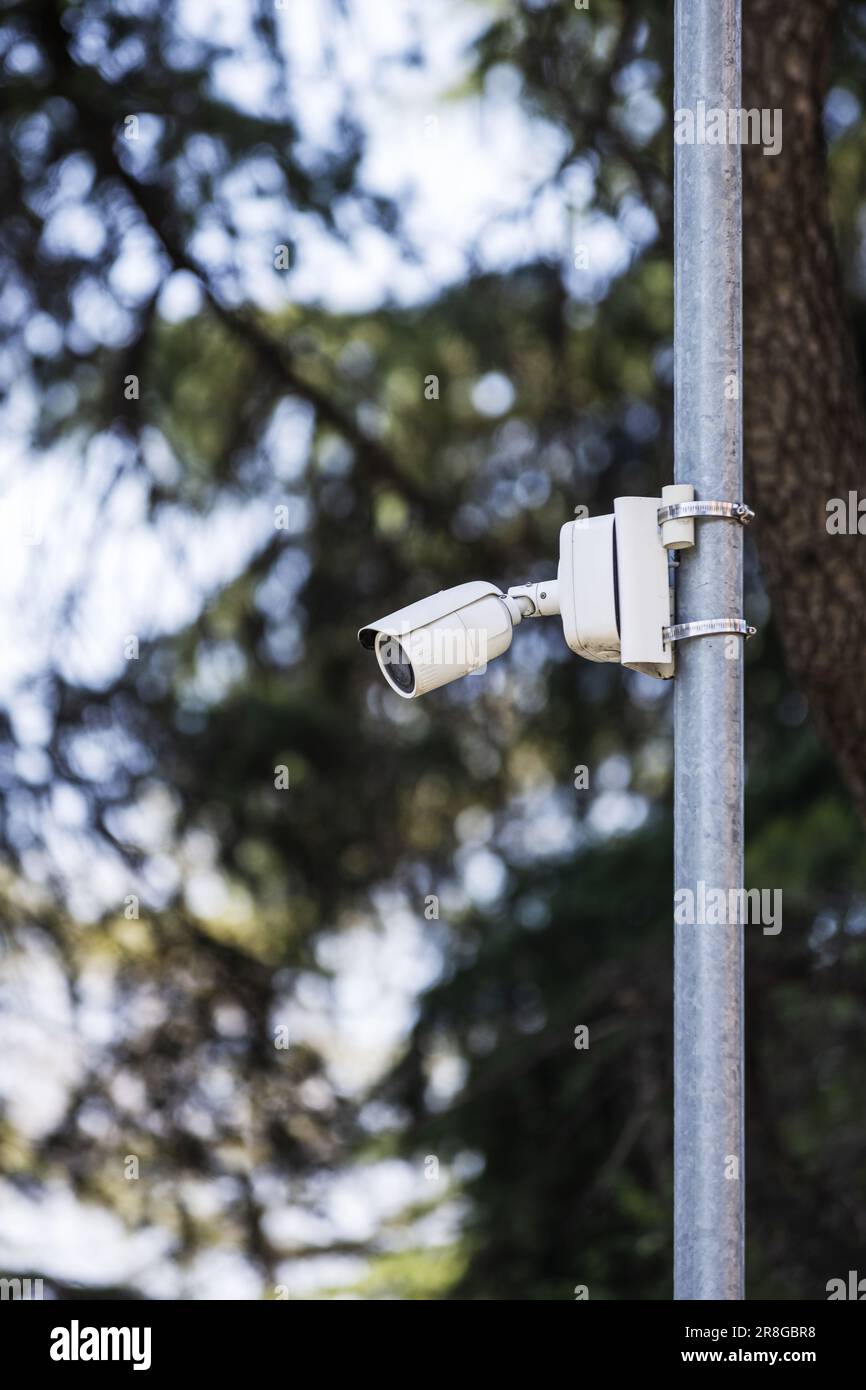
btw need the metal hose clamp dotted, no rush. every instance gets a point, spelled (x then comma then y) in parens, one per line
(708, 627)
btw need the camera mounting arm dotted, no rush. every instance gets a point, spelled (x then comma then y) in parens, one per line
(533, 600)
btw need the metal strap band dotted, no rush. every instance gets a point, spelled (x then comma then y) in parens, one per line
(727, 511)
(707, 627)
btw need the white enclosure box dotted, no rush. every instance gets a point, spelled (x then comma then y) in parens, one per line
(643, 586)
(614, 590)
(587, 588)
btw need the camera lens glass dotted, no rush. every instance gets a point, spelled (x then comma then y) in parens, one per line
(397, 665)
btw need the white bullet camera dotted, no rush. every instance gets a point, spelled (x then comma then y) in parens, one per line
(436, 640)
(612, 592)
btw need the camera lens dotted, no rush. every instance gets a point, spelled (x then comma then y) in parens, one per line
(397, 666)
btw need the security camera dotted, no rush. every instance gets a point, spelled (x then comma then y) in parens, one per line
(439, 639)
(612, 592)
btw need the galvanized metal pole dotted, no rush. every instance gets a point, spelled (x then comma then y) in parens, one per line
(708, 689)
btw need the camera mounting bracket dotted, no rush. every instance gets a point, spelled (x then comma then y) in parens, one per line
(676, 520)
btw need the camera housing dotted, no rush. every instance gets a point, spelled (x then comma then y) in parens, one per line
(439, 639)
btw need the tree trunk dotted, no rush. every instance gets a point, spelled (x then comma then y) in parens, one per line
(805, 425)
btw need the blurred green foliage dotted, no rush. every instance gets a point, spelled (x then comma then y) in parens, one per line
(561, 1157)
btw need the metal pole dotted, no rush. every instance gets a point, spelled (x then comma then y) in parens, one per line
(708, 689)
